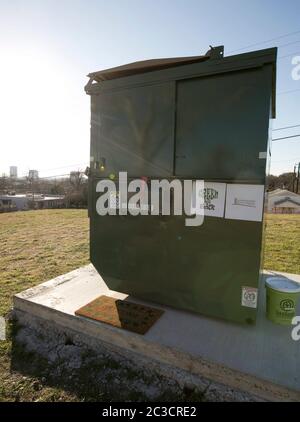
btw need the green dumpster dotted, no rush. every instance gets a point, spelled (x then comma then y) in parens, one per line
(193, 118)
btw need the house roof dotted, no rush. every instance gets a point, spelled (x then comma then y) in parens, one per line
(287, 200)
(276, 191)
(284, 192)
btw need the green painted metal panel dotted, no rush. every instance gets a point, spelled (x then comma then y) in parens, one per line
(225, 127)
(133, 130)
(161, 260)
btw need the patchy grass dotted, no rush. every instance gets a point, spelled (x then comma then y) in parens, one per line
(38, 245)
(282, 248)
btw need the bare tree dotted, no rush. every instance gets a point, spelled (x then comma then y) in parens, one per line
(4, 183)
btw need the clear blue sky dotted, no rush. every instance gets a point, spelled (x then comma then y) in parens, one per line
(48, 46)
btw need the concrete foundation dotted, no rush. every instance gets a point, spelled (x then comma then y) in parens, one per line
(261, 361)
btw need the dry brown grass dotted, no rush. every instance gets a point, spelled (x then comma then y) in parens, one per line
(36, 246)
(282, 247)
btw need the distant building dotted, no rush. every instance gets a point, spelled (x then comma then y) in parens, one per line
(13, 171)
(24, 202)
(19, 202)
(38, 201)
(282, 201)
(6, 205)
(33, 174)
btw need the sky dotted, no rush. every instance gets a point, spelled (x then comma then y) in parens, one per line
(49, 46)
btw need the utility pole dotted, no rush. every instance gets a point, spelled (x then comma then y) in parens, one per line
(294, 178)
(31, 180)
(298, 175)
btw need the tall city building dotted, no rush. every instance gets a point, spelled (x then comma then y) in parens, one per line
(33, 174)
(13, 171)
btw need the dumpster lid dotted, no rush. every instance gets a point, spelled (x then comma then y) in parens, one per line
(239, 62)
(144, 66)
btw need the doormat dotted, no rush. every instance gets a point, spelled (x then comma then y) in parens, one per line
(121, 313)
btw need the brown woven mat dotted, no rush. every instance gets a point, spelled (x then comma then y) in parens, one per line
(121, 313)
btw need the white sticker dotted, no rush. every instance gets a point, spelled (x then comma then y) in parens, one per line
(213, 196)
(91, 158)
(249, 297)
(262, 155)
(244, 202)
(114, 204)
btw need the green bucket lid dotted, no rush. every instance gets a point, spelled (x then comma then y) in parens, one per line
(282, 284)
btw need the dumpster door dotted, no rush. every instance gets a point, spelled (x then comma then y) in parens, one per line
(133, 130)
(222, 125)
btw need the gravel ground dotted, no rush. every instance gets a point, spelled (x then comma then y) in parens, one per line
(101, 374)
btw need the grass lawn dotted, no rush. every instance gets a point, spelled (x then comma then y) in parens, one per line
(282, 243)
(36, 246)
(39, 245)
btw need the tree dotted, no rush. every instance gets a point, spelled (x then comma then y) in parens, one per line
(283, 181)
(3, 183)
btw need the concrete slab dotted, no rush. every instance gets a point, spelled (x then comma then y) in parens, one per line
(261, 359)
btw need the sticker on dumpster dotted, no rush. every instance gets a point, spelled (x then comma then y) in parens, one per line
(244, 202)
(249, 297)
(213, 199)
(114, 204)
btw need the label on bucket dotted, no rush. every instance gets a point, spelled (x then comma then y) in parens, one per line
(287, 306)
(249, 297)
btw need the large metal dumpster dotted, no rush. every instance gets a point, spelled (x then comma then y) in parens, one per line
(191, 118)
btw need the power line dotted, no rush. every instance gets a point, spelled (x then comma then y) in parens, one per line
(287, 44)
(264, 42)
(25, 174)
(57, 175)
(287, 92)
(53, 177)
(289, 55)
(288, 159)
(48, 177)
(286, 127)
(62, 167)
(286, 137)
